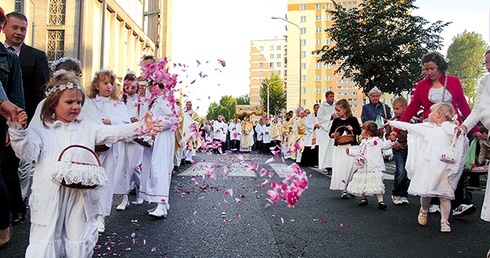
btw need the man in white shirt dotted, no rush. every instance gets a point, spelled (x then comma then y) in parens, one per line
(310, 150)
(326, 113)
(220, 129)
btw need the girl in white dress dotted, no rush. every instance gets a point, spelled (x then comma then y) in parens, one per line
(432, 145)
(368, 180)
(134, 152)
(63, 222)
(343, 164)
(105, 94)
(157, 165)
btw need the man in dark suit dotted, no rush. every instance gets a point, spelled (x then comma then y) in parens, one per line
(35, 74)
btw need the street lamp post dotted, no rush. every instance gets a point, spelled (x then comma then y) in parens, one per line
(299, 35)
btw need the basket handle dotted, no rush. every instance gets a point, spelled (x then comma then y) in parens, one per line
(344, 126)
(80, 146)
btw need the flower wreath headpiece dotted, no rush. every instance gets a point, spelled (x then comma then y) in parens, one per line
(103, 71)
(62, 87)
(62, 60)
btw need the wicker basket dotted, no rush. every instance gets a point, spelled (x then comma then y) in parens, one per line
(346, 138)
(82, 175)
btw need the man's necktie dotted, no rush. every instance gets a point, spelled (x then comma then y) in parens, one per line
(12, 48)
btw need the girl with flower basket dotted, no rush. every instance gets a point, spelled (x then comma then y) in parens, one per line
(63, 218)
(345, 128)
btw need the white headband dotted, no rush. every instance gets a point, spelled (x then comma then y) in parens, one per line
(64, 59)
(63, 87)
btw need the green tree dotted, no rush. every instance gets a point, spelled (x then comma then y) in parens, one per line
(243, 100)
(465, 56)
(380, 44)
(225, 107)
(277, 96)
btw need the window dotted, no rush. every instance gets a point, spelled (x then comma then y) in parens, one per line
(318, 6)
(278, 47)
(302, 7)
(328, 66)
(271, 56)
(271, 64)
(328, 78)
(318, 90)
(303, 90)
(278, 72)
(318, 30)
(303, 54)
(261, 48)
(56, 45)
(261, 65)
(18, 6)
(328, 41)
(303, 42)
(318, 18)
(318, 42)
(261, 73)
(57, 12)
(261, 56)
(271, 48)
(318, 65)
(278, 56)
(318, 78)
(278, 64)
(303, 30)
(328, 18)
(329, 6)
(303, 66)
(303, 102)
(303, 79)
(302, 19)
(328, 89)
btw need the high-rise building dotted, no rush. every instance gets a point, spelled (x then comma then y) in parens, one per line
(306, 25)
(112, 34)
(266, 57)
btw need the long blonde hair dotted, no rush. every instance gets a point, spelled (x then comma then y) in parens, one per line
(101, 76)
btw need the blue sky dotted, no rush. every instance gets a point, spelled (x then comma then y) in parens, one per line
(222, 29)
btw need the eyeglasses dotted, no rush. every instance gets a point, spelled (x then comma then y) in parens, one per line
(484, 63)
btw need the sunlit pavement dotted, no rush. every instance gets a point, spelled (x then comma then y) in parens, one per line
(218, 208)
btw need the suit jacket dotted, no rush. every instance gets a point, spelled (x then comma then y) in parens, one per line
(35, 74)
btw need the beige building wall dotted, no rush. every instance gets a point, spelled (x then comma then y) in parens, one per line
(266, 58)
(312, 19)
(118, 45)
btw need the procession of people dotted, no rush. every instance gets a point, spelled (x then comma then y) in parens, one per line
(141, 132)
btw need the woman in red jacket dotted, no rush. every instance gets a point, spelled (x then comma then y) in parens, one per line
(436, 87)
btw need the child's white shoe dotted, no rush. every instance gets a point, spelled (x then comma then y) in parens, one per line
(100, 224)
(159, 212)
(422, 218)
(124, 203)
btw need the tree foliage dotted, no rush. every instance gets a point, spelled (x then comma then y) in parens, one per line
(277, 96)
(380, 44)
(226, 106)
(465, 56)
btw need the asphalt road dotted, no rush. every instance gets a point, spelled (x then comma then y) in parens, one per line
(204, 222)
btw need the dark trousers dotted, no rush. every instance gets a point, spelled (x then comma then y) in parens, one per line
(4, 197)
(401, 181)
(10, 165)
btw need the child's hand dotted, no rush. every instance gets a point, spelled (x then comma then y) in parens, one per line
(152, 125)
(349, 128)
(106, 121)
(347, 150)
(22, 118)
(134, 119)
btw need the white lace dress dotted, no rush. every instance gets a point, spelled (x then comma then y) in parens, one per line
(368, 180)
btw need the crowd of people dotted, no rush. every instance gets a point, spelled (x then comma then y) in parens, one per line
(132, 135)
